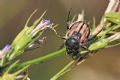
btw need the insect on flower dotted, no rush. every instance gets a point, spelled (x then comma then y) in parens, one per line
(77, 34)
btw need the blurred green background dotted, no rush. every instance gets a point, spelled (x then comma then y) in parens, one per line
(13, 14)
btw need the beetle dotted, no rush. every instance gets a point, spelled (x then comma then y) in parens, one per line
(77, 37)
(77, 34)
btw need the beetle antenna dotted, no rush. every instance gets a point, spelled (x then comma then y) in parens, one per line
(68, 18)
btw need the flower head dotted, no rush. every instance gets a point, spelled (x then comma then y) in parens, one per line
(43, 25)
(5, 50)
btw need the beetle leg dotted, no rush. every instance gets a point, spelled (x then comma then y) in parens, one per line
(80, 59)
(75, 57)
(53, 29)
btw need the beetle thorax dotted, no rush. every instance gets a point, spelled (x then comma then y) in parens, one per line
(72, 43)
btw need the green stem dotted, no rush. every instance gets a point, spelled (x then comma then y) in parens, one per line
(63, 71)
(44, 58)
(21, 70)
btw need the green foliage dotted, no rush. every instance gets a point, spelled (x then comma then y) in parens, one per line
(114, 17)
(31, 33)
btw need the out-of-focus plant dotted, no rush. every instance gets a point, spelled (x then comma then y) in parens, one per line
(106, 32)
(25, 40)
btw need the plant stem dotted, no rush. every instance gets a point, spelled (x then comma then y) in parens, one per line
(64, 70)
(44, 58)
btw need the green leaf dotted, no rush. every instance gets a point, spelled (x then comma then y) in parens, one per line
(113, 17)
(102, 43)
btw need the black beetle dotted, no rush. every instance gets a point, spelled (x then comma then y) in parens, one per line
(77, 34)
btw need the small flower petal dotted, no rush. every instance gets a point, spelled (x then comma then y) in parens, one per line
(6, 49)
(44, 24)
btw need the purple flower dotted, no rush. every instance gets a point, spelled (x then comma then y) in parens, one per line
(6, 49)
(44, 21)
(43, 25)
